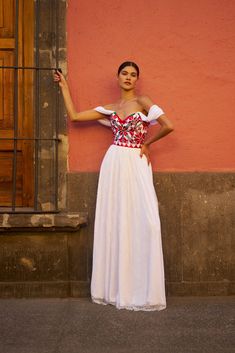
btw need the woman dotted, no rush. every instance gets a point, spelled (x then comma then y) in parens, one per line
(128, 267)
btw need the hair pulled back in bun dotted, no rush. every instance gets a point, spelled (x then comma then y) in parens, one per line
(129, 63)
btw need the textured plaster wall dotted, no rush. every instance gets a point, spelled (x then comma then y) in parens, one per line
(185, 50)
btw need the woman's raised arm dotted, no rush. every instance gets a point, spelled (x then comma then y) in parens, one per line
(72, 113)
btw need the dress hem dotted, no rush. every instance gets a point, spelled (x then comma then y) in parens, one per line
(147, 307)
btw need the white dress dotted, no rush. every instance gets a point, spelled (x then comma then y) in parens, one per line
(128, 267)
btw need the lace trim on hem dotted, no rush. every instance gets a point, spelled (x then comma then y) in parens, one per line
(147, 307)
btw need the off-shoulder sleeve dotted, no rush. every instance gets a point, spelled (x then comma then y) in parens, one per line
(104, 111)
(154, 113)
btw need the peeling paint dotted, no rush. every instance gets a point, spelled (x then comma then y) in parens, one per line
(45, 105)
(28, 263)
(5, 223)
(44, 221)
(47, 206)
(53, 220)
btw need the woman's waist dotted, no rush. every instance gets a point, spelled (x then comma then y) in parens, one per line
(127, 144)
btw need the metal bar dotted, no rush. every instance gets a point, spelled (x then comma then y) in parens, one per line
(29, 212)
(30, 68)
(37, 105)
(14, 169)
(29, 139)
(57, 114)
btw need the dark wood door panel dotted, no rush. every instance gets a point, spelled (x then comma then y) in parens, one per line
(6, 90)
(7, 10)
(23, 53)
(6, 179)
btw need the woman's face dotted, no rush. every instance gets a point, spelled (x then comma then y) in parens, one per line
(127, 78)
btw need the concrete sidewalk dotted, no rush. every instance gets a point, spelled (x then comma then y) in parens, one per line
(188, 324)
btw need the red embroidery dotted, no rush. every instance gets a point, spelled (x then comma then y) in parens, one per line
(129, 132)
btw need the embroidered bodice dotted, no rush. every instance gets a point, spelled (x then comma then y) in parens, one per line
(131, 131)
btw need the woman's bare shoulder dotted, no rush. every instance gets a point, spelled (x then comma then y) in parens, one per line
(145, 102)
(111, 106)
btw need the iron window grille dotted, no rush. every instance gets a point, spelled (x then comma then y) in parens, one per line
(37, 139)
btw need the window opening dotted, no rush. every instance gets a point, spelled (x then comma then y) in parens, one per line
(37, 139)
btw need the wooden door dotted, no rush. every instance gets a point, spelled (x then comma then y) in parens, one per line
(16, 46)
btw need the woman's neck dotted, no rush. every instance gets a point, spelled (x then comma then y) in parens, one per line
(127, 95)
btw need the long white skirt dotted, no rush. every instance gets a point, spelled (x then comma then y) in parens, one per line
(128, 267)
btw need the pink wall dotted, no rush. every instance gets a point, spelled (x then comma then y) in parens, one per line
(186, 53)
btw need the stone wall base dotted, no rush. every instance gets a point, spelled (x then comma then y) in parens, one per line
(197, 220)
(198, 229)
(50, 289)
(81, 289)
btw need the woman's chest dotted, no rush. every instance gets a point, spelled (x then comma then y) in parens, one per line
(132, 124)
(124, 111)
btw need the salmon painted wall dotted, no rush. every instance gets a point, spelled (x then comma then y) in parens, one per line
(186, 54)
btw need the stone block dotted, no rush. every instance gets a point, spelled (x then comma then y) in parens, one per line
(168, 189)
(208, 228)
(80, 289)
(77, 252)
(33, 258)
(70, 220)
(82, 189)
(34, 289)
(47, 221)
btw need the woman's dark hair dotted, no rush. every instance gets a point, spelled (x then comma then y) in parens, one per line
(129, 63)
